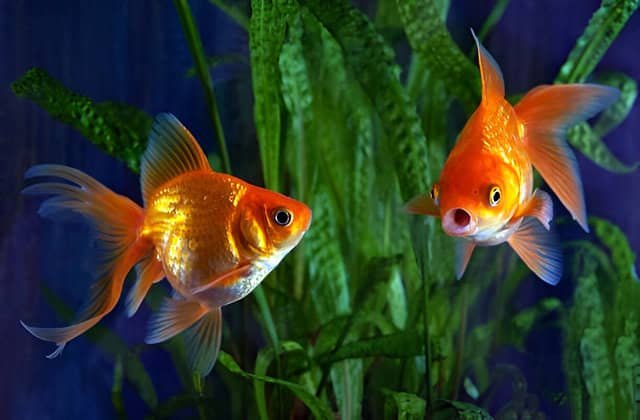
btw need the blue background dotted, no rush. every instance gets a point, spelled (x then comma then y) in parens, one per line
(134, 51)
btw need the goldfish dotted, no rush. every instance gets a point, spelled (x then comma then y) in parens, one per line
(485, 195)
(214, 237)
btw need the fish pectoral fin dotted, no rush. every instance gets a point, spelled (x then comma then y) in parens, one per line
(538, 249)
(490, 73)
(422, 204)
(173, 317)
(203, 341)
(539, 206)
(463, 251)
(547, 112)
(225, 279)
(171, 151)
(148, 271)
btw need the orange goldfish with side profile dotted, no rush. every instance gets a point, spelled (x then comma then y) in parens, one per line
(485, 193)
(213, 236)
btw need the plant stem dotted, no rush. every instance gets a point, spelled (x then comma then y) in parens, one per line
(202, 69)
(233, 12)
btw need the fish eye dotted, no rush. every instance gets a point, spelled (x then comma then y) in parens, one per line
(494, 196)
(282, 217)
(433, 193)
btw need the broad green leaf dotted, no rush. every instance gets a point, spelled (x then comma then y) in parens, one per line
(400, 345)
(318, 408)
(622, 255)
(266, 36)
(587, 141)
(403, 406)
(430, 38)
(348, 387)
(602, 30)
(522, 322)
(371, 60)
(113, 346)
(118, 129)
(616, 113)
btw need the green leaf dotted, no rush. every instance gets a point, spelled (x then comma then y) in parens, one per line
(266, 36)
(623, 257)
(264, 359)
(456, 410)
(318, 408)
(400, 345)
(116, 389)
(602, 30)
(431, 40)
(618, 112)
(216, 61)
(118, 129)
(494, 17)
(113, 346)
(587, 141)
(195, 47)
(234, 12)
(403, 406)
(371, 61)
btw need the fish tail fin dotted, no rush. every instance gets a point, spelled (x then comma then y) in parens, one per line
(116, 220)
(546, 113)
(202, 328)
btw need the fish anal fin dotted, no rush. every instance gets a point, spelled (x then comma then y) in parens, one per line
(173, 317)
(203, 341)
(463, 251)
(148, 271)
(539, 206)
(422, 204)
(490, 73)
(172, 151)
(546, 113)
(539, 250)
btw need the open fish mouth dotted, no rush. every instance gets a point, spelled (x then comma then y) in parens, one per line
(458, 222)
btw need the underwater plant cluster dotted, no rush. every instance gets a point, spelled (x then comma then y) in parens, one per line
(355, 110)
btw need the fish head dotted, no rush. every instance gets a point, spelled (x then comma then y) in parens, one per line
(272, 223)
(476, 195)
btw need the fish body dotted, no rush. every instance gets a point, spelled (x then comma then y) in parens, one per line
(485, 193)
(214, 237)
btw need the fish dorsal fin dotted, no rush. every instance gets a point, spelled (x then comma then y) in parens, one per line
(546, 113)
(539, 206)
(538, 249)
(171, 151)
(490, 74)
(463, 251)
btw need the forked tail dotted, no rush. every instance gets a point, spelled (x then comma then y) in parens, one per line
(116, 220)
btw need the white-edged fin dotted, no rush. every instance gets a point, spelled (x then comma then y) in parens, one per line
(173, 317)
(203, 342)
(463, 251)
(490, 73)
(148, 271)
(547, 112)
(538, 249)
(540, 206)
(171, 151)
(422, 204)
(224, 280)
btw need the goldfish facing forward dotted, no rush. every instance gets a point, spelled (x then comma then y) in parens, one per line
(485, 193)
(214, 237)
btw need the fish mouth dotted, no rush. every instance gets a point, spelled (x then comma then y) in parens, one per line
(459, 222)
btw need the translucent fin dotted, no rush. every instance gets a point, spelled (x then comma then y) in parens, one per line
(116, 220)
(546, 113)
(171, 151)
(225, 280)
(540, 206)
(173, 317)
(148, 271)
(463, 252)
(539, 250)
(422, 204)
(203, 342)
(490, 73)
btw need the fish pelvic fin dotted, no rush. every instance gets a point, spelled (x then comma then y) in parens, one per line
(116, 220)
(203, 342)
(539, 206)
(539, 250)
(171, 151)
(490, 74)
(148, 271)
(174, 316)
(546, 113)
(463, 251)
